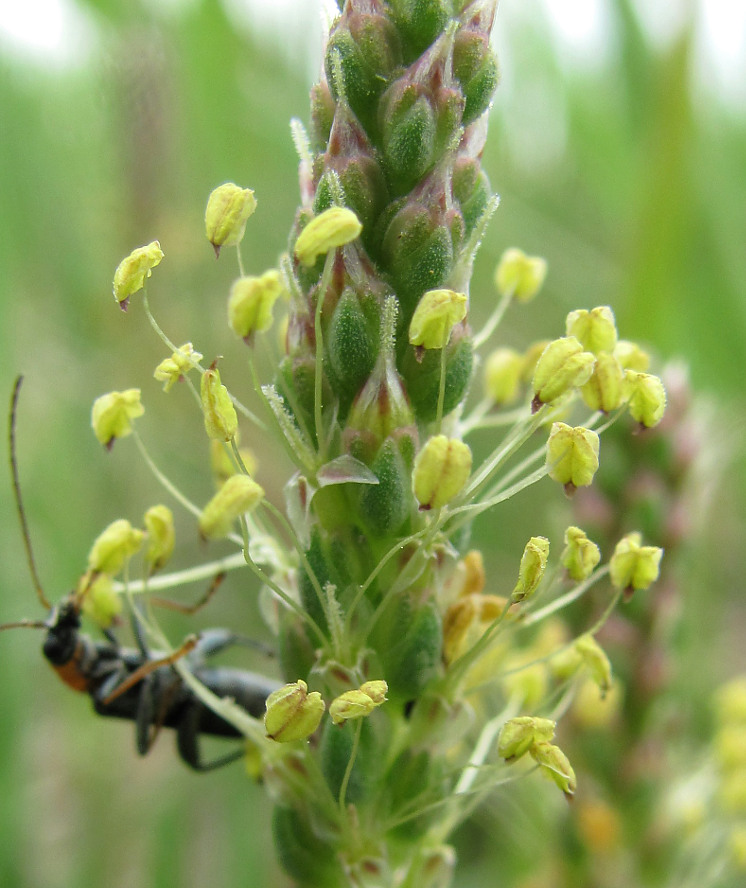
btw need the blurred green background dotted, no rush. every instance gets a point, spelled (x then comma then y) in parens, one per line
(622, 161)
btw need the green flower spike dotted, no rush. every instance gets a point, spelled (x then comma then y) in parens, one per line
(228, 210)
(572, 455)
(520, 274)
(239, 494)
(293, 713)
(634, 566)
(114, 546)
(133, 271)
(112, 415)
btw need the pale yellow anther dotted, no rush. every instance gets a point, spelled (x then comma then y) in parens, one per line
(228, 209)
(519, 735)
(441, 469)
(503, 371)
(134, 270)
(555, 765)
(221, 421)
(172, 369)
(293, 713)
(159, 523)
(572, 455)
(359, 702)
(605, 390)
(437, 312)
(250, 303)
(646, 397)
(114, 546)
(564, 364)
(634, 566)
(580, 555)
(533, 565)
(596, 661)
(520, 274)
(100, 603)
(333, 228)
(595, 329)
(239, 495)
(112, 415)
(631, 356)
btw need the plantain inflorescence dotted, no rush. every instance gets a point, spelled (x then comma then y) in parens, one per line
(415, 679)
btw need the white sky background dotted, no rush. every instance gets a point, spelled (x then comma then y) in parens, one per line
(54, 32)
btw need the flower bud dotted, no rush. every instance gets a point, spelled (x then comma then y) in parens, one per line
(595, 329)
(435, 316)
(221, 422)
(228, 209)
(238, 495)
(502, 375)
(605, 390)
(441, 469)
(520, 275)
(555, 765)
(572, 455)
(250, 303)
(563, 365)
(159, 523)
(133, 271)
(358, 703)
(172, 369)
(519, 735)
(112, 415)
(101, 603)
(646, 397)
(333, 228)
(113, 546)
(293, 713)
(533, 565)
(410, 127)
(580, 555)
(475, 67)
(594, 657)
(634, 566)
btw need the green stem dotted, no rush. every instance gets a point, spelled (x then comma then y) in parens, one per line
(350, 764)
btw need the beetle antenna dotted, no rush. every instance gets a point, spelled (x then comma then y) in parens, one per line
(17, 491)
